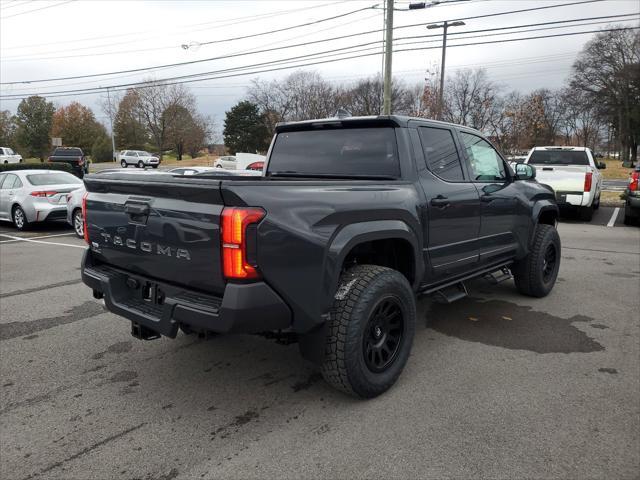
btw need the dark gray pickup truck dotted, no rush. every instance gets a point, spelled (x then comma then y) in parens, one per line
(72, 156)
(352, 219)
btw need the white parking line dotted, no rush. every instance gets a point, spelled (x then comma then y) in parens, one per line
(41, 236)
(18, 239)
(614, 216)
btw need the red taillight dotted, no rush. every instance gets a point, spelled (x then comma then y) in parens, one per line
(48, 159)
(255, 166)
(80, 161)
(587, 181)
(634, 182)
(235, 221)
(84, 216)
(42, 193)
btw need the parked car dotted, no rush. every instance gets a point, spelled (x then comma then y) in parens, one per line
(75, 217)
(28, 196)
(241, 161)
(351, 220)
(228, 162)
(7, 155)
(139, 158)
(572, 173)
(218, 172)
(632, 198)
(72, 156)
(190, 170)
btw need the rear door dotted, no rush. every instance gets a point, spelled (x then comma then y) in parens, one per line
(158, 227)
(453, 206)
(4, 198)
(499, 198)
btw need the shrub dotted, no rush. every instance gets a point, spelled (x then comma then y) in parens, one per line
(5, 167)
(101, 150)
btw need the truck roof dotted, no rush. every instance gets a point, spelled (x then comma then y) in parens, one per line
(559, 147)
(373, 120)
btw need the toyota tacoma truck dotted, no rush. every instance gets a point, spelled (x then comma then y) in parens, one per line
(573, 174)
(352, 219)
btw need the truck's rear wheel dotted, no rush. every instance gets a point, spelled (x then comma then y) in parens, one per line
(370, 332)
(585, 213)
(535, 275)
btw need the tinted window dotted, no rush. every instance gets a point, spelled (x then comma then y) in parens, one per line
(348, 151)
(441, 153)
(57, 178)
(558, 157)
(67, 152)
(10, 181)
(486, 164)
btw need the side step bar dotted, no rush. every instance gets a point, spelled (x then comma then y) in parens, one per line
(451, 294)
(498, 276)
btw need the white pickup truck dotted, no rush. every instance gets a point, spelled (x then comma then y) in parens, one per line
(9, 156)
(573, 174)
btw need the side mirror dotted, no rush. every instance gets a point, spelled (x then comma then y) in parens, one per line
(601, 166)
(524, 171)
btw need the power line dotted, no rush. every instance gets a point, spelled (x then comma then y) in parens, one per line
(14, 4)
(191, 62)
(38, 9)
(218, 24)
(190, 78)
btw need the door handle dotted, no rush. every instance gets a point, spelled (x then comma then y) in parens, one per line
(440, 202)
(136, 209)
(487, 198)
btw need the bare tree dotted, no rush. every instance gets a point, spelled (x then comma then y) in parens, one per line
(158, 105)
(470, 98)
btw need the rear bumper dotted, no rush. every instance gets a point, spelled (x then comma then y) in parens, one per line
(40, 211)
(244, 308)
(574, 199)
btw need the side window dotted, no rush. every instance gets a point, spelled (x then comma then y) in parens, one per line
(441, 153)
(17, 182)
(2, 177)
(9, 181)
(486, 164)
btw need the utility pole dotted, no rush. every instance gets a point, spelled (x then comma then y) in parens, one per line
(113, 138)
(388, 51)
(445, 26)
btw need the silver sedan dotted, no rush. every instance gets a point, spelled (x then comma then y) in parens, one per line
(28, 196)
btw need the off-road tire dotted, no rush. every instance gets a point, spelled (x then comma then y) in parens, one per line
(585, 213)
(528, 273)
(596, 203)
(360, 292)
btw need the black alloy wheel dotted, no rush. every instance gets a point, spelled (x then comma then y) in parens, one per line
(383, 335)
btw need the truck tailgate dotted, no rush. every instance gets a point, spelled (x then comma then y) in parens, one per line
(562, 178)
(158, 226)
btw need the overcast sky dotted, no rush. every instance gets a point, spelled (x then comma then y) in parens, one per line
(61, 38)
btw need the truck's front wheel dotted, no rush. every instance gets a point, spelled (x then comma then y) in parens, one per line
(370, 332)
(535, 275)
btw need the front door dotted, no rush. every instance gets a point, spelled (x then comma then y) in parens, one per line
(499, 198)
(4, 199)
(452, 206)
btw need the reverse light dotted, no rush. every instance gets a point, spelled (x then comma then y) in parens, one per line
(43, 193)
(634, 181)
(588, 178)
(84, 217)
(235, 221)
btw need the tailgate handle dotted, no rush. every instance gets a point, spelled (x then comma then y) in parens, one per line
(137, 208)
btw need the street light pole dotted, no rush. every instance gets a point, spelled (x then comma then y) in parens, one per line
(445, 27)
(388, 50)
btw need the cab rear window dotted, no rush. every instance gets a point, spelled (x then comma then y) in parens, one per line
(558, 157)
(344, 151)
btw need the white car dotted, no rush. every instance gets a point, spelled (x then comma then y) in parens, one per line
(190, 170)
(74, 211)
(573, 174)
(241, 161)
(9, 156)
(139, 158)
(28, 196)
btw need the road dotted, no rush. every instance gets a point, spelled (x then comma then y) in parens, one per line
(498, 385)
(615, 185)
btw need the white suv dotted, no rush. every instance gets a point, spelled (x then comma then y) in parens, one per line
(139, 158)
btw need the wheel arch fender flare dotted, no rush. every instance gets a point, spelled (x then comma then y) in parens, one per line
(356, 233)
(541, 207)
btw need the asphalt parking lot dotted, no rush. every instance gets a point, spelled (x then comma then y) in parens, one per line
(498, 385)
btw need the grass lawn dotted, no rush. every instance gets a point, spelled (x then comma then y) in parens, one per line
(615, 170)
(611, 199)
